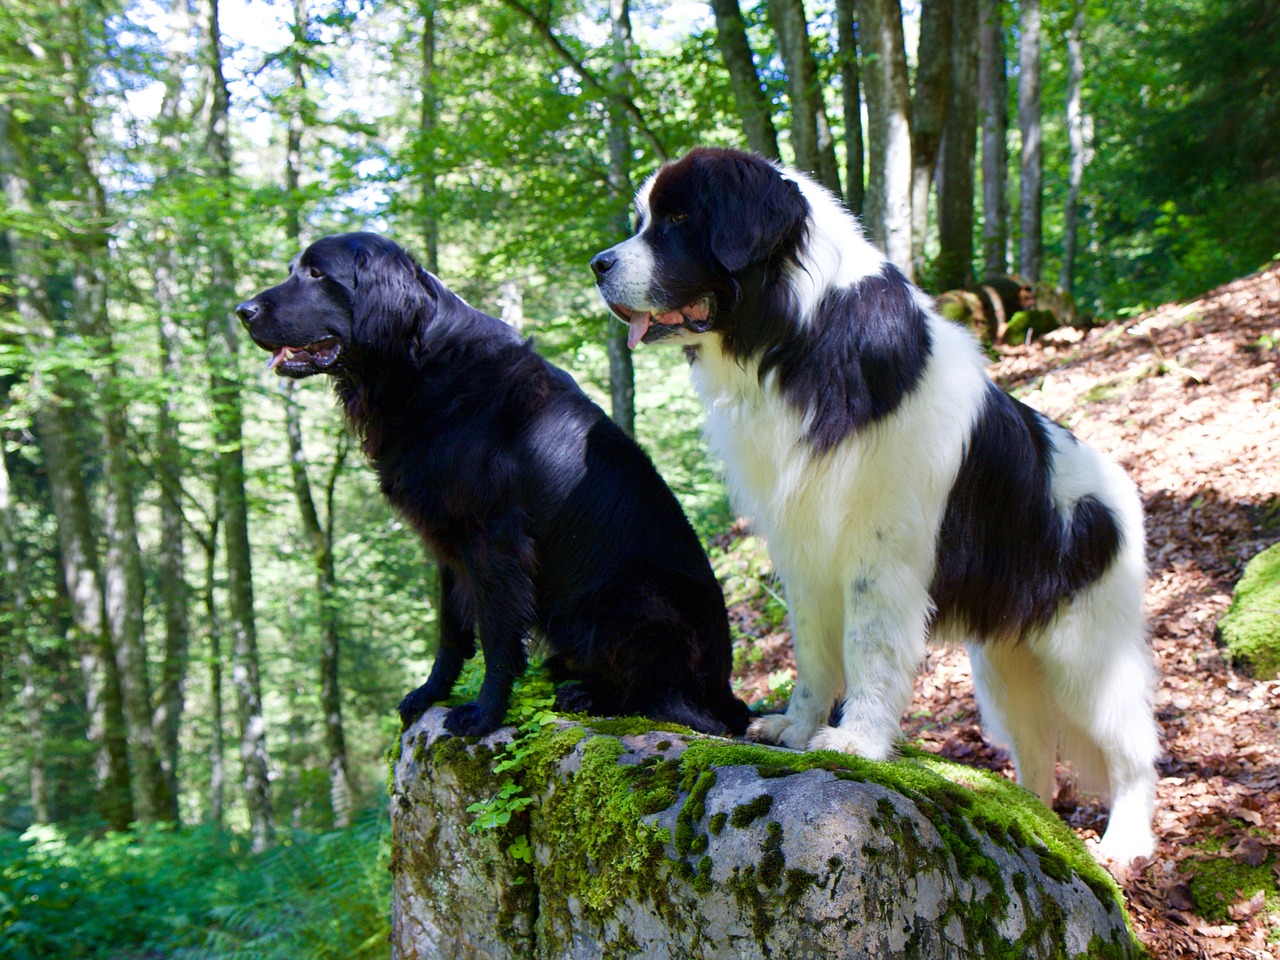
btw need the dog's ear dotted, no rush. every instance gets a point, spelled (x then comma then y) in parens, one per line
(388, 300)
(756, 213)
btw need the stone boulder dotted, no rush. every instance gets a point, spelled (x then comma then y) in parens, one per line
(625, 839)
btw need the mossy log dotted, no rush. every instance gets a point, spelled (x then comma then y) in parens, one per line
(618, 839)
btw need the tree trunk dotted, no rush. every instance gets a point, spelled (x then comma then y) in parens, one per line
(851, 98)
(959, 143)
(753, 105)
(222, 356)
(320, 537)
(884, 78)
(622, 378)
(29, 699)
(1031, 247)
(54, 417)
(929, 109)
(429, 223)
(217, 747)
(1075, 141)
(811, 139)
(993, 96)
(122, 571)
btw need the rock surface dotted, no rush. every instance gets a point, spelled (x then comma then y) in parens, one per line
(614, 839)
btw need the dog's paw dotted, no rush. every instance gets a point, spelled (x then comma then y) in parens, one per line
(469, 720)
(574, 698)
(415, 704)
(853, 742)
(777, 728)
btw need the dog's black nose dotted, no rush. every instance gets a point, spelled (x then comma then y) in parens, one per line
(602, 263)
(247, 311)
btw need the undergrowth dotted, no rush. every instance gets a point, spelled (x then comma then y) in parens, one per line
(195, 894)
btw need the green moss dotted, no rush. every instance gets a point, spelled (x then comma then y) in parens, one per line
(747, 813)
(772, 861)
(702, 878)
(634, 726)
(716, 825)
(1251, 627)
(1218, 882)
(393, 758)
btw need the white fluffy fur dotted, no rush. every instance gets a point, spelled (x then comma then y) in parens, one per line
(853, 535)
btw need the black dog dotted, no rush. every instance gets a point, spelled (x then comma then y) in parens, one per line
(546, 519)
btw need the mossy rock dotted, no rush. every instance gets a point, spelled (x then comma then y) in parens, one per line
(1034, 322)
(1251, 628)
(670, 844)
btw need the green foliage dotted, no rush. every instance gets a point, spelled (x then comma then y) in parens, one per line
(193, 893)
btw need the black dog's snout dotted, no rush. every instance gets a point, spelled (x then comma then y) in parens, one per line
(247, 311)
(602, 263)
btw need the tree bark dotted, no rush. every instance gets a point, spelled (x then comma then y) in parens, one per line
(1075, 141)
(622, 381)
(993, 96)
(171, 560)
(77, 543)
(851, 100)
(222, 356)
(29, 699)
(959, 144)
(1032, 165)
(754, 108)
(428, 221)
(884, 77)
(811, 139)
(929, 109)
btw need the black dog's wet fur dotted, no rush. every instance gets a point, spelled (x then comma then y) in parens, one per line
(545, 518)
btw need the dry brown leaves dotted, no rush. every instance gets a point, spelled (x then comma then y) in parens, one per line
(1187, 398)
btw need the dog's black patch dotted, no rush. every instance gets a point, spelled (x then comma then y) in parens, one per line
(1006, 557)
(545, 518)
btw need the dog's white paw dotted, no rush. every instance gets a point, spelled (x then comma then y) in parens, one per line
(854, 742)
(777, 728)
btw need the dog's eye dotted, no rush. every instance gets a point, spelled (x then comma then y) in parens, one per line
(315, 273)
(678, 217)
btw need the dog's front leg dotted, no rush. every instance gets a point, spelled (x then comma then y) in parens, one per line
(816, 617)
(498, 567)
(457, 646)
(885, 618)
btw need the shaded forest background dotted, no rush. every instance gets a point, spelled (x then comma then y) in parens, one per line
(207, 613)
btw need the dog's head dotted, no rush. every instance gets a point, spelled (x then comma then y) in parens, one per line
(711, 228)
(345, 294)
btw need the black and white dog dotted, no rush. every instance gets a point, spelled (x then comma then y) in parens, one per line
(902, 494)
(546, 519)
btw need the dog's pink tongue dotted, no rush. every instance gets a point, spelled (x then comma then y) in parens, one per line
(637, 327)
(277, 358)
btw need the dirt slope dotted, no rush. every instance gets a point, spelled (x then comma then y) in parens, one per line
(1187, 398)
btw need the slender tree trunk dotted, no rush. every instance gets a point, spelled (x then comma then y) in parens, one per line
(429, 223)
(78, 553)
(171, 560)
(122, 573)
(217, 746)
(29, 699)
(884, 77)
(222, 356)
(851, 98)
(929, 109)
(753, 105)
(1031, 247)
(320, 538)
(959, 144)
(1075, 140)
(811, 139)
(622, 379)
(993, 97)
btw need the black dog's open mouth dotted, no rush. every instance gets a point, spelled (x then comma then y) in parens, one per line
(694, 316)
(304, 361)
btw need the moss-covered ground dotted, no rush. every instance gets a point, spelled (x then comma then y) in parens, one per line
(1251, 627)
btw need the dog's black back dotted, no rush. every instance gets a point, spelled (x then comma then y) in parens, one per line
(545, 517)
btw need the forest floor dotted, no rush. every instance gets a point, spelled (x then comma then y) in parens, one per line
(1187, 399)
